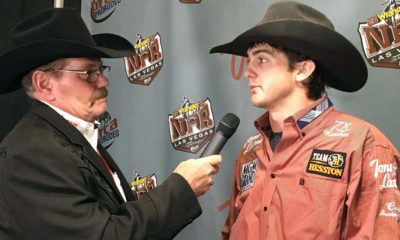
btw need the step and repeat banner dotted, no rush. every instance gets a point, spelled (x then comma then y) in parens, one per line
(166, 100)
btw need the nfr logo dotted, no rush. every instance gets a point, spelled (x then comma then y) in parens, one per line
(144, 65)
(191, 126)
(380, 37)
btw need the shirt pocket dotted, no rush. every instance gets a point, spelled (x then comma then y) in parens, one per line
(317, 203)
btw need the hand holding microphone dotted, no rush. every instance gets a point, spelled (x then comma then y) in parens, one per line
(198, 172)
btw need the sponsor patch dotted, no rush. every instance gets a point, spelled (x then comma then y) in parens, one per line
(380, 37)
(390, 210)
(385, 173)
(101, 10)
(108, 130)
(143, 67)
(248, 175)
(252, 142)
(140, 185)
(192, 125)
(327, 163)
(341, 129)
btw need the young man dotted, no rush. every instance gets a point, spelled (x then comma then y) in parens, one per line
(56, 181)
(311, 172)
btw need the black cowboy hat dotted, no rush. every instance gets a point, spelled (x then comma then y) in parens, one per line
(53, 34)
(301, 28)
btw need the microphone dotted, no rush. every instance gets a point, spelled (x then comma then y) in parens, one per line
(226, 128)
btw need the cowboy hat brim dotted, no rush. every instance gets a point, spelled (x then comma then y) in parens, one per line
(343, 65)
(17, 62)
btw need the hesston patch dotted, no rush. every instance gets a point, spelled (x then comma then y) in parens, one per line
(327, 163)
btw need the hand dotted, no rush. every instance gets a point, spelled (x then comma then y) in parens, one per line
(198, 172)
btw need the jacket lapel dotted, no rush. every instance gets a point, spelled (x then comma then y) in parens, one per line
(76, 138)
(125, 186)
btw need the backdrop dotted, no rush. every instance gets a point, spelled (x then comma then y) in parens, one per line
(166, 100)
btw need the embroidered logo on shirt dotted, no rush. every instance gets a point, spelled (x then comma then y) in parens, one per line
(326, 163)
(385, 172)
(248, 175)
(341, 129)
(252, 142)
(391, 210)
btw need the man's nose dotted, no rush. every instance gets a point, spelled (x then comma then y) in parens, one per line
(102, 81)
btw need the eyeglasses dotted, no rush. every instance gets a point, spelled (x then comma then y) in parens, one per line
(90, 76)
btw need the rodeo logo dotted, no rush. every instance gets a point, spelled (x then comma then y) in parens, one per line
(140, 185)
(191, 126)
(380, 37)
(108, 130)
(144, 66)
(100, 10)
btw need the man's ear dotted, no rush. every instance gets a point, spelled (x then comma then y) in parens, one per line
(304, 70)
(42, 85)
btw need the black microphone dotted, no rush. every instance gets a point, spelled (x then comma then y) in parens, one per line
(226, 128)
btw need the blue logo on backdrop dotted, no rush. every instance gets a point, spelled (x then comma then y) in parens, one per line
(108, 130)
(102, 9)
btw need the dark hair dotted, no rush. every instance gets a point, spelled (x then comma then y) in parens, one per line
(316, 83)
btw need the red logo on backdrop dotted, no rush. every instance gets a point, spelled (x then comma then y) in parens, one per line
(108, 130)
(144, 66)
(191, 126)
(380, 37)
(237, 66)
(102, 9)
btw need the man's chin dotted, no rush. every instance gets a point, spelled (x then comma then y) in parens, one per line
(100, 106)
(257, 102)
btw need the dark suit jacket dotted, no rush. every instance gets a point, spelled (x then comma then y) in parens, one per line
(54, 186)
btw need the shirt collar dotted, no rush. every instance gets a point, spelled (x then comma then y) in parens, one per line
(89, 130)
(317, 110)
(303, 117)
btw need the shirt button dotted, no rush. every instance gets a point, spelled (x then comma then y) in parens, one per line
(272, 175)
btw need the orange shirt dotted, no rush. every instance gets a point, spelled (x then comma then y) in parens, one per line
(332, 176)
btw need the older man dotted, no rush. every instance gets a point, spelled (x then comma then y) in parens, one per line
(56, 181)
